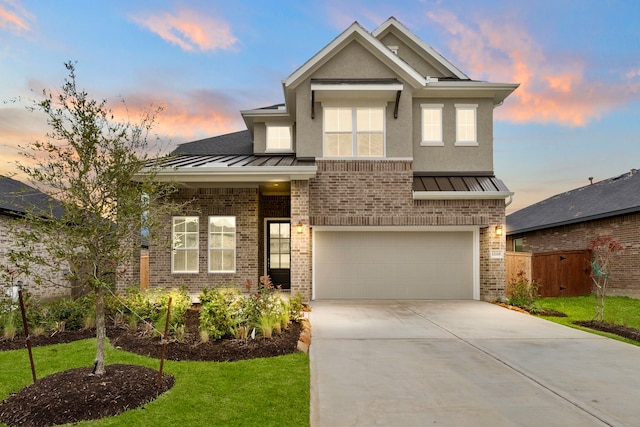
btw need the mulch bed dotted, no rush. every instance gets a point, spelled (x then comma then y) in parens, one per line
(76, 395)
(619, 330)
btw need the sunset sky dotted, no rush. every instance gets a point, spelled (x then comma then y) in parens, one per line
(576, 114)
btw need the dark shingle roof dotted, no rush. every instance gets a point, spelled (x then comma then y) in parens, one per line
(16, 198)
(230, 144)
(610, 197)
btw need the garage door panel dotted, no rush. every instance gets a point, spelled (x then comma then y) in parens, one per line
(393, 265)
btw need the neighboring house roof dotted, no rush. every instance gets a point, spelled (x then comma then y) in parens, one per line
(229, 144)
(610, 197)
(16, 198)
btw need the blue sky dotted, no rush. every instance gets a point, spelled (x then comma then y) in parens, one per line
(576, 114)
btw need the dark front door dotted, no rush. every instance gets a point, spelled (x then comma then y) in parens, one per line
(279, 252)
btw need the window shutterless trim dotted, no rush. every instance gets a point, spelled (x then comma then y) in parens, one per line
(431, 143)
(174, 249)
(467, 142)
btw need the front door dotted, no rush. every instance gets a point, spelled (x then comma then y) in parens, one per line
(279, 252)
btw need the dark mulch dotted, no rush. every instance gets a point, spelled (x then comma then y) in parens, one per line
(74, 395)
(623, 331)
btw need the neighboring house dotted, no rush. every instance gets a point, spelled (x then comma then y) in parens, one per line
(374, 179)
(15, 199)
(571, 220)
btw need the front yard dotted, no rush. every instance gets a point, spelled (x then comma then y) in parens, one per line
(620, 311)
(266, 391)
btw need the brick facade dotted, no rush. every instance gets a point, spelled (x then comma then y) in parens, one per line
(54, 284)
(378, 193)
(343, 193)
(625, 276)
(239, 202)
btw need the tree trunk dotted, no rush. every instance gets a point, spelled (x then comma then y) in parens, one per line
(101, 332)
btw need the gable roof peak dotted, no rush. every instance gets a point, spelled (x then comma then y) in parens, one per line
(393, 23)
(355, 30)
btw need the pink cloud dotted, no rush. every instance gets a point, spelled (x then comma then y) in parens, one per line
(550, 91)
(186, 116)
(14, 17)
(190, 30)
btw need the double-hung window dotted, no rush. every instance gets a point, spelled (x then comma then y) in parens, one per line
(279, 138)
(222, 244)
(354, 131)
(184, 256)
(466, 127)
(432, 124)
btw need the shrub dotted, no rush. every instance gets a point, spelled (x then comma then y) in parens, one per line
(72, 313)
(523, 292)
(220, 307)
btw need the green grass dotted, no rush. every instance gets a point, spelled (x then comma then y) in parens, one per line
(618, 310)
(265, 392)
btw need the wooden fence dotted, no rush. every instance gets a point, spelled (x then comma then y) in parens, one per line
(563, 273)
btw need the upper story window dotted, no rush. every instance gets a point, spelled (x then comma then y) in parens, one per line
(222, 244)
(184, 256)
(466, 124)
(432, 124)
(354, 131)
(279, 138)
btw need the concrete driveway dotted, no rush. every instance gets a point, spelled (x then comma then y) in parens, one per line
(464, 363)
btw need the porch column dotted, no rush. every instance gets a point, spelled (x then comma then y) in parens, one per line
(300, 242)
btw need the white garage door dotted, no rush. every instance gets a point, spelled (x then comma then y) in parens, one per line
(393, 265)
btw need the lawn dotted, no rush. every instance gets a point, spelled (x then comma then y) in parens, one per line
(266, 392)
(618, 310)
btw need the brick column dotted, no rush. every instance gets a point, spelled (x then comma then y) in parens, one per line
(300, 242)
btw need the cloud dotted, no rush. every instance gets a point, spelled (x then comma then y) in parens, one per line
(189, 29)
(14, 17)
(550, 91)
(185, 116)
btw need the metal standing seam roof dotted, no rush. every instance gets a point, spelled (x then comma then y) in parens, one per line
(471, 183)
(235, 161)
(610, 197)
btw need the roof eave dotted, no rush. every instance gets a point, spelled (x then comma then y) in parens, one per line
(499, 91)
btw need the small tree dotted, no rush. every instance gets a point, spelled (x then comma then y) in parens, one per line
(91, 167)
(604, 250)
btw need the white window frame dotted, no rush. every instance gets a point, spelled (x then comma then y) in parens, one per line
(354, 130)
(210, 248)
(433, 142)
(270, 128)
(195, 249)
(467, 141)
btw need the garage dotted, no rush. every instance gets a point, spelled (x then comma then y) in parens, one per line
(407, 264)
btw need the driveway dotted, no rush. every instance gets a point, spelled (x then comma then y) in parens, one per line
(464, 363)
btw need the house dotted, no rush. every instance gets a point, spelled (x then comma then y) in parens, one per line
(15, 199)
(373, 180)
(571, 220)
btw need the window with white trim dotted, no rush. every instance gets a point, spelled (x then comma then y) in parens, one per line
(432, 124)
(222, 244)
(279, 138)
(184, 256)
(354, 131)
(466, 124)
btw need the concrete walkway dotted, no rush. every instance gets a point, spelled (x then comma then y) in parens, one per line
(464, 363)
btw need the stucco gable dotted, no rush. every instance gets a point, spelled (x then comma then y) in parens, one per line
(416, 52)
(355, 33)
